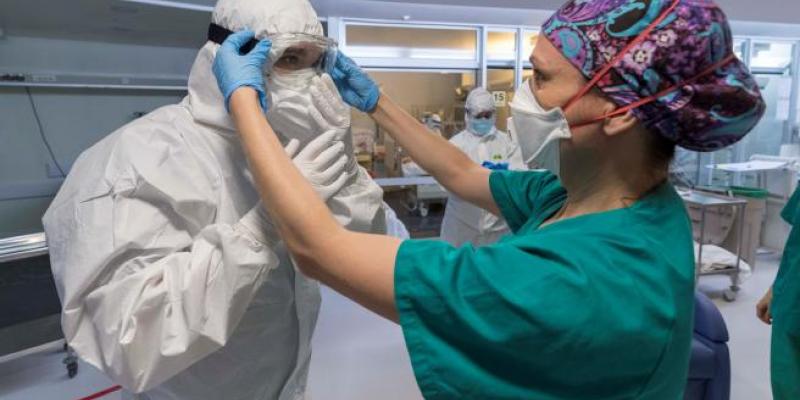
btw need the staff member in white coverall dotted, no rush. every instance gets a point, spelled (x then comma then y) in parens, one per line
(484, 144)
(168, 284)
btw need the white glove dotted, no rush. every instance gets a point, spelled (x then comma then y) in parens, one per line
(329, 111)
(322, 162)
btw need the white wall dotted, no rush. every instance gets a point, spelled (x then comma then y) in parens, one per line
(72, 119)
(52, 56)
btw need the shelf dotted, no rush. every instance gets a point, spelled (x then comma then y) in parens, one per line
(94, 86)
(93, 82)
(23, 247)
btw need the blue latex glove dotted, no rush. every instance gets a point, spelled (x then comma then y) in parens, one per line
(495, 166)
(355, 86)
(234, 69)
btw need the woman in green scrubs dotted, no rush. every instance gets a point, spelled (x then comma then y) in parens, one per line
(781, 308)
(591, 297)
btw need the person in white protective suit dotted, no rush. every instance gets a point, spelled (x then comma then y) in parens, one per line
(486, 145)
(170, 281)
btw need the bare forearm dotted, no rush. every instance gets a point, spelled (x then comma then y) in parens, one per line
(446, 162)
(298, 212)
(432, 152)
(361, 267)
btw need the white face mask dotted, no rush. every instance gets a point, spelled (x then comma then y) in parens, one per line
(284, 79)
(289, 101)
(538, 131)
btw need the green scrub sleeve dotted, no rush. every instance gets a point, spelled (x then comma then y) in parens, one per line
(792, 211)
(521, 195)
(472, 317)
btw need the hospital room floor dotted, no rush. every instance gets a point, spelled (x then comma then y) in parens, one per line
(360, 356)
(749, 338)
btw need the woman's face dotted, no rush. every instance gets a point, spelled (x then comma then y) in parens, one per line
(555, 81)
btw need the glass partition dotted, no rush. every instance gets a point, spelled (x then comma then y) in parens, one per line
(423, 94)
(738, 48)
(501, 46)
(501, 84)
(421, 43)
(771, 55)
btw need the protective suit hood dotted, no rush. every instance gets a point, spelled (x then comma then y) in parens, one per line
(480, 100)
(264, 17)
(268, 17)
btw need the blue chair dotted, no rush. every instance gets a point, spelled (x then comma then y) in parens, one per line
(710, 366)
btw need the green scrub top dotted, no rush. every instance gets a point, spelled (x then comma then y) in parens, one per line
(786, 312)
(598, 306)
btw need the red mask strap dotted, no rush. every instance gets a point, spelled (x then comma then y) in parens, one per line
(635, 42)
(647, 100)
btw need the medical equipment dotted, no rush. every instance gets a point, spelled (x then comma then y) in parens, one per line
(704, 203)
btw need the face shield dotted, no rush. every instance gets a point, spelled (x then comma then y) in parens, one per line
(291, 52)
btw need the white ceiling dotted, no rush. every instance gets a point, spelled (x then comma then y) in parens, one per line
(775, 11)
(129, 22)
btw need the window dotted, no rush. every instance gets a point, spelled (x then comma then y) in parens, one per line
(420, 93)
(773, 129)
(502, 47)
(775, 56)
(416, 43)
(738, 48)
(501, 83)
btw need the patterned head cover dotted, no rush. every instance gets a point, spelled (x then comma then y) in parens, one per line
(670, 62)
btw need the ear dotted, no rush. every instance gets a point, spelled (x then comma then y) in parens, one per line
(620, 124)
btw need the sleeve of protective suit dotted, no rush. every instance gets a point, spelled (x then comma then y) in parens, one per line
(149, 285)
(358, 206)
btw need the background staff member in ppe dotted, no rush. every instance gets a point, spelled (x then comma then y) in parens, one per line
(592, 296)
(781, 309)
(169, 282)
(485, 145)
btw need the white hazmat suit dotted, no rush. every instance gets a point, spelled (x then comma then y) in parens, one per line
(463, 222)
(165, 284)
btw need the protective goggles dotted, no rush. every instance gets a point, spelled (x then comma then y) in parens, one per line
(481, 114)
(290, 51)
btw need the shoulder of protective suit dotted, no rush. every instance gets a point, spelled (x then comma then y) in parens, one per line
(460, 137)
(151, 148)
(143, 138)
(504, 136)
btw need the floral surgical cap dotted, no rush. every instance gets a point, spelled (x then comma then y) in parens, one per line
(703, 98)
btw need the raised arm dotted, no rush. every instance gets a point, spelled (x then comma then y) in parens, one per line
(449, 165)
(365, 272)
